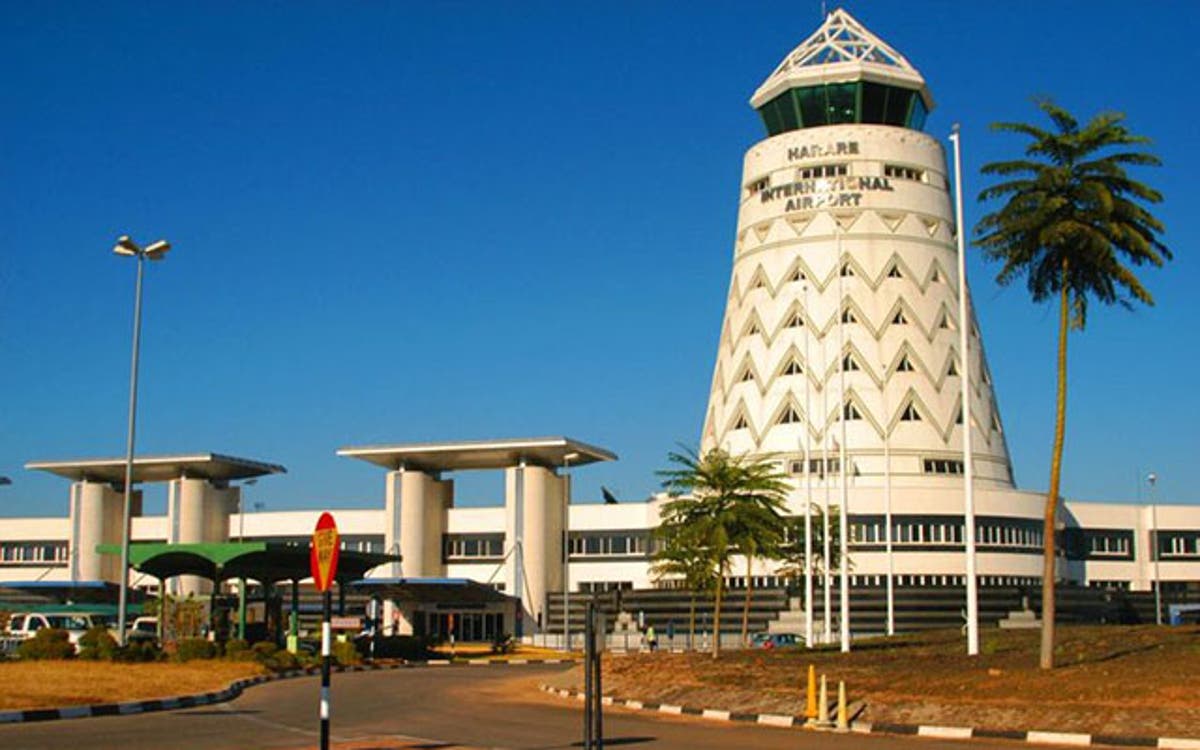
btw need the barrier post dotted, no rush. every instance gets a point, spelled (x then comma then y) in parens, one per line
(810, 709)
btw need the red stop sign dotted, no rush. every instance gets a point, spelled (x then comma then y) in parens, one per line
(323, 556)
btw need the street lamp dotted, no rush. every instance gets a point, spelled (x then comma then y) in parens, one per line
(566, 553)
(1151, 479)
(154, 251)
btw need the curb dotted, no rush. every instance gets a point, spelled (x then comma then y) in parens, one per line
(1033, 737)
(234, 690)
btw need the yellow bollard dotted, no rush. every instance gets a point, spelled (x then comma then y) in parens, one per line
(823, 705)
(810, 710)
(843, 722)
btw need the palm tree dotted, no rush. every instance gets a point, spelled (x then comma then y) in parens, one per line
(1072, 223)
(679, 557)
(726, 504)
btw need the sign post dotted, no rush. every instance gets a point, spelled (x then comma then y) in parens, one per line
(323, 559)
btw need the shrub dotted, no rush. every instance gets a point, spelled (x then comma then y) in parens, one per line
(282, 661)
(97, 643)
(263, 651)
(408, 647)
(238, 650)
(195, 648)
(47, 643)
(345, 654)
(138, 652)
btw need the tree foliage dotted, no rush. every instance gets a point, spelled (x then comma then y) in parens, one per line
(722, 505)
(1073, 223)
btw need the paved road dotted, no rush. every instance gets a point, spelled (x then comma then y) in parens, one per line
(431, 707)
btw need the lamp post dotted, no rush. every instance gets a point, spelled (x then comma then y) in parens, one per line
(1151, 479)
(964, 330)
(154, 251)
(566, 552)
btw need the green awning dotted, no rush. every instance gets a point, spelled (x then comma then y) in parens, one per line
(265, 562)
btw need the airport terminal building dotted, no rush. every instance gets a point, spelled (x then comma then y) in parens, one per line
(838, 356)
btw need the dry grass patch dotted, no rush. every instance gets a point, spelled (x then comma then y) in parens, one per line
(1111, 680)
(50, 684)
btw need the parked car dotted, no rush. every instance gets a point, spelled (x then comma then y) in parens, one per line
(774, 640)
(143, 629)
(23, 625)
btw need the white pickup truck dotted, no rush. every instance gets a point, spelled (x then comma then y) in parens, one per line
(23, 625)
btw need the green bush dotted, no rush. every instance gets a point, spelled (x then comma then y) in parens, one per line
(97, 644)
(263, 651)
(282, 661)
(195, 648)
(238, 650)
(47, 643)
(345, 654)
(409, 647)
(146, 651)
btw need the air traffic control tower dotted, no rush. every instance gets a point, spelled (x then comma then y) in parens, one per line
(840, 328)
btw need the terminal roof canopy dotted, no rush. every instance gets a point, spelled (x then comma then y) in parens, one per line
(212, 466)
(480, 454)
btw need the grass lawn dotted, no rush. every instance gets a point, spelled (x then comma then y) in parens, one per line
(51, 684)
(1141, 680)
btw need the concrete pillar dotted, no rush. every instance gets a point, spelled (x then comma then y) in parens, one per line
(96, 514)
(416, 507)
(198, 512)
(533, 528)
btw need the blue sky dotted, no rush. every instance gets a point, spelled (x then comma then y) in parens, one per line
(421, 221)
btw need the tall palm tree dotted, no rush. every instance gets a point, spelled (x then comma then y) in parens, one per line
(726, 504)
(1072, 223)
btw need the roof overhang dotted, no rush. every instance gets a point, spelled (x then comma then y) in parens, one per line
(212, 466)
(480, 454)
(845, 72)
(456, 591)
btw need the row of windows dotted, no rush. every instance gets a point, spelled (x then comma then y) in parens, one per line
(1178, 544)
(821, 170)
(472, 547)
(31, 553)
(835, 103)
(817, 466)
(350, 543)
(610, 544)
(943, 465)
(847, 271)
(599, 587)
(1008, 533)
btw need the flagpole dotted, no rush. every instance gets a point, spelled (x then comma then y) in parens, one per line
(844, 522)
(964, 331)
(808, 556)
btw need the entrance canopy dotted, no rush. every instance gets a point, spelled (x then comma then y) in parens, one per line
(211, 466)
(456, 591)
(549, 452)
(265, 562)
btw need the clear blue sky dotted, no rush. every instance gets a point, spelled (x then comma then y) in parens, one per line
(415, 221)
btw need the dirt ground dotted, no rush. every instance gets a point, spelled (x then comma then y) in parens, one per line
(1111, 680)
(52, 684)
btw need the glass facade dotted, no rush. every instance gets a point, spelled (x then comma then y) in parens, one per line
(838, 103)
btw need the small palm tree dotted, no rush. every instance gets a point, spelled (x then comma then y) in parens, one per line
(1072, 223)
(681, 558)
(724, 504)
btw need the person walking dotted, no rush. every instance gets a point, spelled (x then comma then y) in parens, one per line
(652, 639)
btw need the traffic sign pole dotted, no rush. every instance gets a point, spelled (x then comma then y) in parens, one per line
(323, 561)
(326, 658)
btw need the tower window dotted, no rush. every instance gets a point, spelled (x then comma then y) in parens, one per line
(747, 376)
(850, 412)
(953, 369)
(958, 417)
(905, 365)
(793, 368)
(849, 363)
(797, 275)
(894, 273)
(899, 318)
(942, 466)
(936, 276)
(996, 423)
(846, 270)
(945, 323)
(848, 316)
(910, 414)
(796, 321)
(741, 423)
(822, 170)
(903, 173)
(754, 330)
